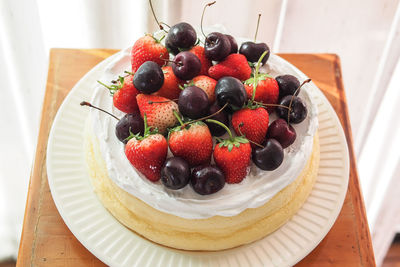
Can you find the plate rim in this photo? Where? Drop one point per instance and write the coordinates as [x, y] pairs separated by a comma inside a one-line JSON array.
[[106, 259]]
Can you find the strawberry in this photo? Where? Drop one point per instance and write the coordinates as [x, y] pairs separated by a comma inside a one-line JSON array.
[[147, 153], [234, 65], [232, 156], [252, 123], [159, 111], [147, 48], [207, 84], [267, 90], [205, 62], [124, 94], [262, 87], [193, 143], [170, 88]]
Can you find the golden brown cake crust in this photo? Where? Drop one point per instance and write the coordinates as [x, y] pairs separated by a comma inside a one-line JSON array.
[[215, 233]]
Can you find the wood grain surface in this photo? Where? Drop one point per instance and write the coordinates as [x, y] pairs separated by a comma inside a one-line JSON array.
[[46, 240]]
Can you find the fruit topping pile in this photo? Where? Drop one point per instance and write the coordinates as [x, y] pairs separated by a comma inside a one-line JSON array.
[[185, 95]]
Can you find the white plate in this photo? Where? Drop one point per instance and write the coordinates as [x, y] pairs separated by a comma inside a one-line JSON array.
[[115, 245]]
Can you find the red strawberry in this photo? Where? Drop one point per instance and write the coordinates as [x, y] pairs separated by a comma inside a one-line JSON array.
[[205, 62], [232, 156], [267, 90], [159, 111], [234, 65], [147, 153], [252, 123], [147, 48], [170, 88], [207, 84], [124, 94], [193, 143]]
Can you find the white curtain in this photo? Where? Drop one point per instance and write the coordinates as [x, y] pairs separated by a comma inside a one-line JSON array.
[[23, 66], [363, 33]]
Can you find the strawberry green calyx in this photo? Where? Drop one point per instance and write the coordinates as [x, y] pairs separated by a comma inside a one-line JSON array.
[[148, 130], [232, 141], [115, 86]]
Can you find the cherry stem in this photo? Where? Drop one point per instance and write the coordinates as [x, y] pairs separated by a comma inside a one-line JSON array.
[[206, 117], [256, 74], [171, 61], [291, 100], [128, 72], [270, 105], [258, 23], [222, 125], [155, 17], [202, 16], [159, 102], [165, 24], [178, 117], [84, 103], [240, 132]]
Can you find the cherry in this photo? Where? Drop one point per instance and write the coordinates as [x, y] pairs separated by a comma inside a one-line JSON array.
[[181, 35], [253, 51], [149, 78], [207, 179], [298, 109], [230, 90], [215, 129], [193, 102], [234, 45], [129, 123], [217, 46], [269, 157], [288, 85], [186, 65], [283, 132], [172, 49], [175, 174]]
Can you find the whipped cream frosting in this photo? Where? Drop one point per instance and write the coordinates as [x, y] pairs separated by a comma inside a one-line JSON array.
[[255, 190]]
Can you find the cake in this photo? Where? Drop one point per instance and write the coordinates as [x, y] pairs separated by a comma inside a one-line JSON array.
[[240, 211]]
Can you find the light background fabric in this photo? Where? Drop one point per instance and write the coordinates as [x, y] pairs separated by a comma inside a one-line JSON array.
[[365, 34]]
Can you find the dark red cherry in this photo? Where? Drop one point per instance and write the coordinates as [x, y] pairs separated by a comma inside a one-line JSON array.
[[207, 179], [230, 90], [149, 78], [193, 102], [284, 133], [172, 49], [175, 174], [234, 45], [253, 51], [269, 157], [130, 123], [182, 35], [217, 46], [186, 65], [288, 85], [298, 110]]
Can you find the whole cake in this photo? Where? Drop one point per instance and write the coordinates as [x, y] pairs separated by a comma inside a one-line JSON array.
[[208, 144]]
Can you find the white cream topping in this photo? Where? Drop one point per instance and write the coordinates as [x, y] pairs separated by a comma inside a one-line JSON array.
[[254, 191]]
